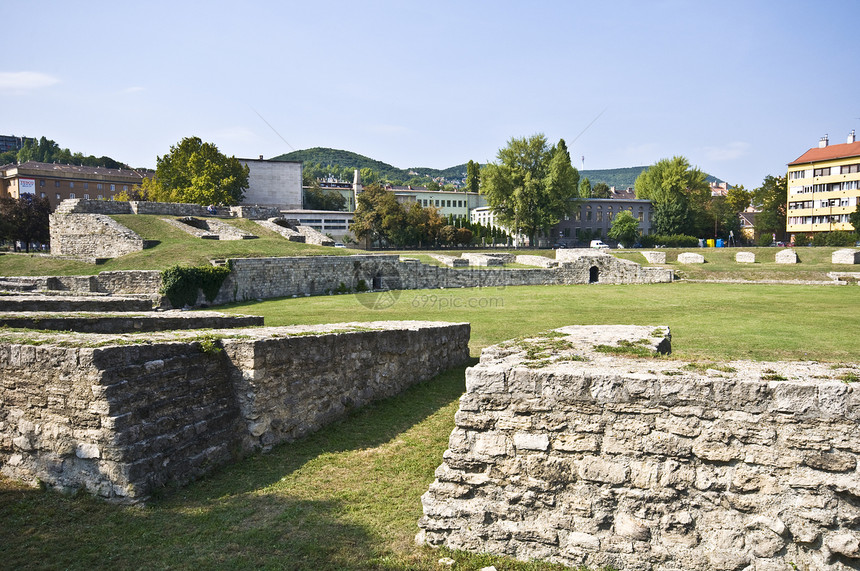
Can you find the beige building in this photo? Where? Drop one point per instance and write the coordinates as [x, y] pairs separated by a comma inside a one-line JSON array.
[[824, 187], [59, 182]]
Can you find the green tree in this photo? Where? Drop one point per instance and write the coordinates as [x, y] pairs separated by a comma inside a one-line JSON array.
[[854, 218], [771, 198], [679, 196], [368, 176], [473, 176], [376, 213], [529, 187], [25, 219], [601, 190], [738, 198], [585, 188], [625, 228], [198, 173]]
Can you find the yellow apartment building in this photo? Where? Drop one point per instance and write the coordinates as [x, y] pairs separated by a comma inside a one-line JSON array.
[[824, 187]]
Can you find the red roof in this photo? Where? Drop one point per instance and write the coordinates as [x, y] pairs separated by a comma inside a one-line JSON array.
[[828, 153]]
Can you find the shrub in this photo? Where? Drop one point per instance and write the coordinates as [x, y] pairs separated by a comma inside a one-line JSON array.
[[181, 284], [835, 238], [765, 240], [801, 240], [361, 286]]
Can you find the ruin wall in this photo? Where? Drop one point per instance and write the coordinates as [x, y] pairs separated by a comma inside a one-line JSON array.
[[145, 411], [91, 236], [571, 455]]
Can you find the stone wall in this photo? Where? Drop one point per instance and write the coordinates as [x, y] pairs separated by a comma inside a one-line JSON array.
[[116, 282], [261, 278], [569, 454], [121, 415], [91, 236]]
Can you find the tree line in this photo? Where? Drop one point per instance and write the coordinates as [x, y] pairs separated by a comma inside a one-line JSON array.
[[46, 150], [24, 221]]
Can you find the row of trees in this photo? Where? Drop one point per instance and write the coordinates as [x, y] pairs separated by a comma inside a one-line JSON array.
[[24, 220], [381, 220], [45, 150]]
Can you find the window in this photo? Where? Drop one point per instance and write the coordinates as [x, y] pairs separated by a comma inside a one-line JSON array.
[[821, 172], [72, 184], [42, 194], [599, 214], [58, 196], [125, 187], [796, 174], [41, 183], [57, 183], [86, 185], [99, 197], [86, 197], [848, 169], [98, 186], [71, 195], [113, 188]]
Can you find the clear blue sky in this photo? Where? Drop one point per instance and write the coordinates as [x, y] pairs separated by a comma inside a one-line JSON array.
[[738, 87]]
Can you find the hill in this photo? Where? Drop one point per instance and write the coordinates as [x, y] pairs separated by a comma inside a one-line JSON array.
[[347, 161]]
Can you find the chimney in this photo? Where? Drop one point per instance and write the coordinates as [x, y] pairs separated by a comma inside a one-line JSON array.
[[823, 141], [851, 137], [261, 157]]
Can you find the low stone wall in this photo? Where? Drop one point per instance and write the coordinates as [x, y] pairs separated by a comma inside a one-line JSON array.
[[579, 457], [476, 259], [846, 256], [451, 261], [786, 257], [255, 212], [261, 278], [121, 415], [91, 236], [288, 233], [540, 261], [745, 257], [127, 322], [655, 257], [115, 282], [211, 229], [65, 303]]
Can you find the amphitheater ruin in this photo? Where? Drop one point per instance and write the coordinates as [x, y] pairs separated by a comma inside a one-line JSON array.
[[580, 446]]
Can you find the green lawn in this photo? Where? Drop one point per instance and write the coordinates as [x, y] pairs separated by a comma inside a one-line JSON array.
[[348, 497]]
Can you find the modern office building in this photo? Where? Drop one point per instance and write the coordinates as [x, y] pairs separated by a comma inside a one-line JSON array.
[[273, 183], [824, 187]]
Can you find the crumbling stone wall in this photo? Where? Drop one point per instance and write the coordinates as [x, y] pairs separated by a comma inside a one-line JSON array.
[[261, 278], [121, 415], [91, 236], [572, 455]]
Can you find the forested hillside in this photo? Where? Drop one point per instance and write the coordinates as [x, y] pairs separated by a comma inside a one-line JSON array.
[[343, 163]]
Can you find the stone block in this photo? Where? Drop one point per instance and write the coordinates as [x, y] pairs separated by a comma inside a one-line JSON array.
[[745, 258], [655, 257], [786, 257], [845, 256], [690, 258]]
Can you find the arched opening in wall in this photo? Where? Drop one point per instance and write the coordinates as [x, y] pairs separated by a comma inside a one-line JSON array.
[[593, 275], [377, 281]]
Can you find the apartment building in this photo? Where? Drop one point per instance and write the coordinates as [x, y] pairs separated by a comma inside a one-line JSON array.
[[824, 187], [59, 182]]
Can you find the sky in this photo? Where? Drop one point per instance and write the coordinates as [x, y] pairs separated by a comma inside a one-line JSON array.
[[739, 88]]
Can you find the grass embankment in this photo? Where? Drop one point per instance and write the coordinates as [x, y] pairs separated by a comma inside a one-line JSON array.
[[348, 497], [172, 246]]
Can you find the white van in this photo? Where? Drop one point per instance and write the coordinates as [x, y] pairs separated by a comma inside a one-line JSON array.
[[599, 245]]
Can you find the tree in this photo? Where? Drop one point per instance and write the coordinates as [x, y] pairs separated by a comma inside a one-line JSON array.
[[771, 198], [625, 228], [585, 188], [679, 195], [25, 219], [473, 176], [198, 173], [854, 218], [530, 186], [378, 216], [601, 190]]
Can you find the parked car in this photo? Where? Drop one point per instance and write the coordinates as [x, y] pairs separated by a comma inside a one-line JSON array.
[[339, 245], [599, 245]]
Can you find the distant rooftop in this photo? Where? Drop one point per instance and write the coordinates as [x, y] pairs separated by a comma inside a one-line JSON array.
[[33, 167]]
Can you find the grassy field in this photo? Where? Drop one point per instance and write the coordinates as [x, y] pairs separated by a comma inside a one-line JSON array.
[[348, 497]]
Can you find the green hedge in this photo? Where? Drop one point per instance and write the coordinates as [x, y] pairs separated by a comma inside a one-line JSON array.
[[835, 238], [181, 284]]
